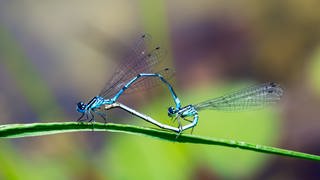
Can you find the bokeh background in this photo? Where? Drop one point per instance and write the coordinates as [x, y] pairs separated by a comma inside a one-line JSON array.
[[56, 53]]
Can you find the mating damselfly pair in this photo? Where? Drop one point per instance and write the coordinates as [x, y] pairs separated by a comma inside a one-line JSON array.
[[137, 72]]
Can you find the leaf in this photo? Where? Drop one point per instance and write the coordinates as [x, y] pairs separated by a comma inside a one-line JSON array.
[[40, 129]]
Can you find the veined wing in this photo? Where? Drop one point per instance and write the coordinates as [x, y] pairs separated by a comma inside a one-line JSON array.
[[136, 52], [249, 98], [138, 61]]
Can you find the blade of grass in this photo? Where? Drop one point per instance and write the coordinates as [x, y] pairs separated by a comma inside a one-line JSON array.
[[39, 129]]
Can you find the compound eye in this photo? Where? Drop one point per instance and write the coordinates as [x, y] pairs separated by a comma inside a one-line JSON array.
[[80, 105], [170, 110]]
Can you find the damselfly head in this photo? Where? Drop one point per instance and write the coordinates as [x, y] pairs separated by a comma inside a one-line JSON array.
[[81, 107], [171, 111]]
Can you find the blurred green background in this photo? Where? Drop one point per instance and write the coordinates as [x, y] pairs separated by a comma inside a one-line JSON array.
[[56, 53]]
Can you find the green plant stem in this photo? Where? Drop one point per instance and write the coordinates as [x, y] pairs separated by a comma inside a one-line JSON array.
[[39, 129]]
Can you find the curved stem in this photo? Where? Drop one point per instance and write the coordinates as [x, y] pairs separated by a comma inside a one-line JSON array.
[[39, 129]]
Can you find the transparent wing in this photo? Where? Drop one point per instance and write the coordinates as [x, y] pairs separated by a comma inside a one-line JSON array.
[[139, 60], [249, 98], [136, 53]]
